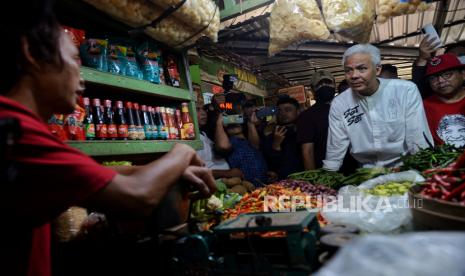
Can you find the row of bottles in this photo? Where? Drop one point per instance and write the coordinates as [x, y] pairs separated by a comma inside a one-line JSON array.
[[136, 122], [96, 120]]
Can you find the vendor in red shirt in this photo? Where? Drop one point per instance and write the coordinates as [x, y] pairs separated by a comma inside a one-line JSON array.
[[39, 76], [445, 109]]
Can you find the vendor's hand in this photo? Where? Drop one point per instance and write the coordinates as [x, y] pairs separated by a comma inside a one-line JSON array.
[[201, 178], [278, 137], [234, 173], [189, 154], [427, 47]]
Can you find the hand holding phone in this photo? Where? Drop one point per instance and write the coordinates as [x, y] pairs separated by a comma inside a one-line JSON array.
[[430, 31]]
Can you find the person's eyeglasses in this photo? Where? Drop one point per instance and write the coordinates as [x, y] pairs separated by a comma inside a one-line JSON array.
[[444, 75]]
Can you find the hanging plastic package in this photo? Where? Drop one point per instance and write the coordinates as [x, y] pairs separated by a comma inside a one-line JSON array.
[[391, 8], [132, 67], [352, 19], [116, 60], [94, 53], [150, 62], [293, 22]]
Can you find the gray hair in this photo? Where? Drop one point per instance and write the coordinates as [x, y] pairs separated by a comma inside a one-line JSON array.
[[366, 49]]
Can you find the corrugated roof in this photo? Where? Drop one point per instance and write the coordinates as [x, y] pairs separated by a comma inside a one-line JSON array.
[[398, 38]]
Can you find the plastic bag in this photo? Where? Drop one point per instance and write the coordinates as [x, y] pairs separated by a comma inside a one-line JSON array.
[[149, 57], [372, 213], [391, 8], [352, 19], [425, 254], [94, 53], [294, 21], [68, 224]]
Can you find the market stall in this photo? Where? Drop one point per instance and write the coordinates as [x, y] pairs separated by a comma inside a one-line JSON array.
[[134, 56]]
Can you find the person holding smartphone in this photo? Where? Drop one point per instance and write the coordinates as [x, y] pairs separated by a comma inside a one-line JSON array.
[[281, 147]]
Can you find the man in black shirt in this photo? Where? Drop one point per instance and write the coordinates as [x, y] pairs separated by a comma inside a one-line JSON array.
[[280, 147], [312, 125]]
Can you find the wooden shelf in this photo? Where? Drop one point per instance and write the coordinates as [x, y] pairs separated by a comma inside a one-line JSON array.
[[134, 85], [108, 148]]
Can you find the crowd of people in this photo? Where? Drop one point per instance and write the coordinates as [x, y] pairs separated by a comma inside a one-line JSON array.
[[371, 122], [371, 119]]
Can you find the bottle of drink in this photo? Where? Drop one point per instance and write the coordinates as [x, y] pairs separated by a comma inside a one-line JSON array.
[[157, 120], [139, 127], [151, 113], [173, 73], [121, 121], [174, 127], [100, 126], [146, 123], [89, 126], [164, 123], [182, 133], [112, 131], [132, 129], [187, 122]]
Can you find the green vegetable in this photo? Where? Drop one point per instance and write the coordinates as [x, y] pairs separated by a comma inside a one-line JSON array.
[[390, 189], [438, 157], [363, 174], [117, 163], [320, 176]]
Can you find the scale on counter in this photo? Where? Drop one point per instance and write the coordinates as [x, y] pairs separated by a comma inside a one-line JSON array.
[[291, 252]]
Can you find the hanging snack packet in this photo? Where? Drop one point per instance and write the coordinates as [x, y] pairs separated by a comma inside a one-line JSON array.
[[116, 59], [352, 19], [293, 22], [132, 67], [150, 62], [94, 53]]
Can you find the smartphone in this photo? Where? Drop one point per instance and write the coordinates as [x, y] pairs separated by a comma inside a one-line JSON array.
[[431, 31], [266, 111], [233, 119]]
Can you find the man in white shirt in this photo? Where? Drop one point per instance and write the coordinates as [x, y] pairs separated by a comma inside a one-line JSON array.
[[380, 119]]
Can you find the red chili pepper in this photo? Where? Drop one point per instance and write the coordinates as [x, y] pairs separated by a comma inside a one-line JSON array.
[[460, 161], [456, 191], [439, 179], [462, 196], [439, 170]]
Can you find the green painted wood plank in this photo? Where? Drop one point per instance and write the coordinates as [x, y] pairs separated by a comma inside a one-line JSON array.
[[139, 86], [108, 148]]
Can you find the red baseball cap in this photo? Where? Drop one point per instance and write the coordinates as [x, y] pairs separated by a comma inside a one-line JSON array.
[[443, 63]]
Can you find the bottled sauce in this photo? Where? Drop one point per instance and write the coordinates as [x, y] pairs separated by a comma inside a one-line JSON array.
[[164, 124], [100, 126], [173, 128], [120, 119], [139, 127], [151, 114], [89, 127], [146, 123], [182, 133], [158, 121], [112, 131], [187, 122], [173, 73], [132, 129]]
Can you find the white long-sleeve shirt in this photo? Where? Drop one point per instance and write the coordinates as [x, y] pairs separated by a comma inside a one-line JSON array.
[[379, 128]]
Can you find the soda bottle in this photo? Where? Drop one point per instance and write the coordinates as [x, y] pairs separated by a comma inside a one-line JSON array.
[[132, 129], [139, 127], [146, 123], [112, 131], [100, 126], [163, 124], [151, 114], [89, 126], [121, 121]]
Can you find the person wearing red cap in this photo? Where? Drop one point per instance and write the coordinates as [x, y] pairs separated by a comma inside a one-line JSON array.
[[445, 109]]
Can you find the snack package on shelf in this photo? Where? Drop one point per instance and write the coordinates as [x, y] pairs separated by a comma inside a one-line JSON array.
[[352, 19], [295, 21], [178, 30], [116, 60], [94, 53], [150, 60], [391, 8]]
